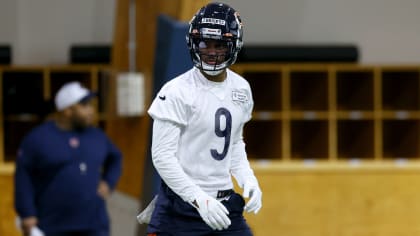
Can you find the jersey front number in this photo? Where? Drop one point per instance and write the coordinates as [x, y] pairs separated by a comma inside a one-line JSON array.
[[222, 133]]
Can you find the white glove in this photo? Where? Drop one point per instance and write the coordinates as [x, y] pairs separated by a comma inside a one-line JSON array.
[[251, 189], [146, 215], [35, 231], [213, 212]]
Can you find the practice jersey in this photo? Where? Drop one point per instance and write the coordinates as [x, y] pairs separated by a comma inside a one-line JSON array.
[[211, 116]]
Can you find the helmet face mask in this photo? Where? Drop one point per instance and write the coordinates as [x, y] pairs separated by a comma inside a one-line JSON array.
[[213, 54], [215, 38]]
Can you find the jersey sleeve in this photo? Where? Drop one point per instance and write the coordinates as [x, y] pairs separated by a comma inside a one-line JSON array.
[[113, 164], [240, 167], [165, 141], [171, 104], [24, 194], [242, 92], [249, 108]]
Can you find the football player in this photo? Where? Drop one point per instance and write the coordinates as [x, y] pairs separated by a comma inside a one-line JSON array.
[[197, 143]]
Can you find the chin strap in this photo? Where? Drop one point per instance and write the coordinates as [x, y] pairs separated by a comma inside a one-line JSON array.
[[213, 72]]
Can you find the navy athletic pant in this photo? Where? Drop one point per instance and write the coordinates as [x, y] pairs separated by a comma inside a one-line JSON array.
[[80, 233], [175, 217]]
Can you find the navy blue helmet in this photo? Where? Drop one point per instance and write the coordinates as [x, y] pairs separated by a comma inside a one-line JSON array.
[[215, 22]]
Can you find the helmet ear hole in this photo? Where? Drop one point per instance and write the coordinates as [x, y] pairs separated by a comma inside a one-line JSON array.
[[215, 21]]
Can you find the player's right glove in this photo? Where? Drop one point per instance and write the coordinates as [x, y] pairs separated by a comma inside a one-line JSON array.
[[146, 215], [213, 212]]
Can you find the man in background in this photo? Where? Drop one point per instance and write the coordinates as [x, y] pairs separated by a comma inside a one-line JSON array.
[[65, 170]]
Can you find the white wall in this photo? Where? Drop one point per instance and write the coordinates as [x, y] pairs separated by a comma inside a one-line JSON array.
[[44, 29], [386, 31], [8, 22]]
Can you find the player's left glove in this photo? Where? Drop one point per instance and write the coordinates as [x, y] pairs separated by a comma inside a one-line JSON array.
[[252, 191]]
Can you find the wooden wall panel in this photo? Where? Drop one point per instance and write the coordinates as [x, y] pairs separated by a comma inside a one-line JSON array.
[[119, 57], [380, 200], [7, 213]]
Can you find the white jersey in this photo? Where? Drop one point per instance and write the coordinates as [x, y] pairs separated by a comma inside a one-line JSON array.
[[210, 116]]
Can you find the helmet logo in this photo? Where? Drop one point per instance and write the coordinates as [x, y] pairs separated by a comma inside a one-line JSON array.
[[237, 16], [213, 21]]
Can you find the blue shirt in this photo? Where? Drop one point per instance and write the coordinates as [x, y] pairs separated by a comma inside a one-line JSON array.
[[57, 176]]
